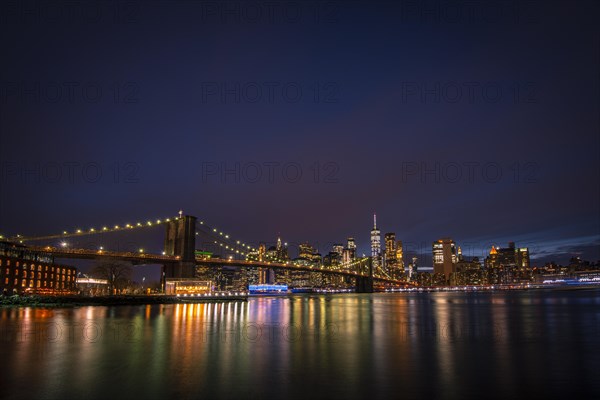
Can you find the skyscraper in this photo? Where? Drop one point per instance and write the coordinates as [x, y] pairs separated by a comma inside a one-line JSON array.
[[390, 252], [262, 272], [390, 246], [413, 269], [281, 250], [375, 244], [400, 256], [506, 265], [444, 256], [351, 244], [510, 256], [350, 250], [338, 248], [305, 250]]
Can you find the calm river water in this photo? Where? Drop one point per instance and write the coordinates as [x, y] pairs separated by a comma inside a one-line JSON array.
[[540, 344]]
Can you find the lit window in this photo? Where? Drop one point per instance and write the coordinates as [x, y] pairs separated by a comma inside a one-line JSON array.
[[16, 282], [38, 283], [6, 281], [44, 283], [8, 263], [23, 283]]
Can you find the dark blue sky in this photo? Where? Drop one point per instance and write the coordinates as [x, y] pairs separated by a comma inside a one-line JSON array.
[[473, 120]]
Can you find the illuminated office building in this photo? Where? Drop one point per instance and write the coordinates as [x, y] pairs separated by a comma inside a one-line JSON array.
[[507, 265], [338, 248], [399, 256], [510, 256], [390, 250], [444, 256], [349, 253], [413, 269], [351, 244], [393, 256]]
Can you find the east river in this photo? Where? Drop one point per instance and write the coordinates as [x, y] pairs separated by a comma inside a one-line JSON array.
[[525, 344]]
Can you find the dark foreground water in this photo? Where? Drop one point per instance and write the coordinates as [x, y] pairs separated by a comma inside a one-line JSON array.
[[429, 345]]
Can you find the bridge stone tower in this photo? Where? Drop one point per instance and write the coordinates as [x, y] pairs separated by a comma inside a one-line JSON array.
[[364, 284], [180, 240]]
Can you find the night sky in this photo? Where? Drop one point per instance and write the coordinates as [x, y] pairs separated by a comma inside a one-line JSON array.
[[472, 120]]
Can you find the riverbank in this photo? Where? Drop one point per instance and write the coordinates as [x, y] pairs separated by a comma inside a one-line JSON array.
[[78, 301]]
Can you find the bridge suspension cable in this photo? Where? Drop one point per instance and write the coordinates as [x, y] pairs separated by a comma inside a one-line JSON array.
[[93, 231], [224, 239]]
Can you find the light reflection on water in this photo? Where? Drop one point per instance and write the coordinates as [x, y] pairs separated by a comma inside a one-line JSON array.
[[434, 345]]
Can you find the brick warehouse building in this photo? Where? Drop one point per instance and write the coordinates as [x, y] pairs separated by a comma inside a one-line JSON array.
[[23, 271]]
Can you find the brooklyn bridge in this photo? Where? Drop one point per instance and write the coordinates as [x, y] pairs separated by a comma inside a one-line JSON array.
[[180, 257]]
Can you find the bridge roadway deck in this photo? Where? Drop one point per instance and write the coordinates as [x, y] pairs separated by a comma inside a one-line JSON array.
[[148, 258]]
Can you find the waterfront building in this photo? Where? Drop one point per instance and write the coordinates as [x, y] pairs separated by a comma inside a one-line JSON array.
[[25, 271]]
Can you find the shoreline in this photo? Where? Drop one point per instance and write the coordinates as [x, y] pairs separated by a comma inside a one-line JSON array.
[[133, 300], [82, 301]]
